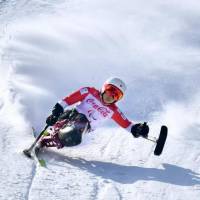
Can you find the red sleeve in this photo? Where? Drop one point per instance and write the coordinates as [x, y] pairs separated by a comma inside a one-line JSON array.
[[121, 119], [77, 96]]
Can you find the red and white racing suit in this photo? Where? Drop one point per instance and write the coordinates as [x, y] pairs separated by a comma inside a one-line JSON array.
[[90, 104]]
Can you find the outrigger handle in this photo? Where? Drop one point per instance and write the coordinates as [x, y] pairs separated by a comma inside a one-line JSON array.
[[36, 140]]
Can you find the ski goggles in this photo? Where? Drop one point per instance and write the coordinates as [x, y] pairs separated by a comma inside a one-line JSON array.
[[113, 92]]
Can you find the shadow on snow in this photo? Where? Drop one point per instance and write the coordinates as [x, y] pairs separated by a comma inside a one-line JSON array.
[[129, 174]]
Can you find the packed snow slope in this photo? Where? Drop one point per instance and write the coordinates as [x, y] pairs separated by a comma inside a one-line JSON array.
[[51, 48]]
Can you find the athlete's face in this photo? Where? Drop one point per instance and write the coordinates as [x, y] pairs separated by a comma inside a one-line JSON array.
[[111, 94], [107, 98]]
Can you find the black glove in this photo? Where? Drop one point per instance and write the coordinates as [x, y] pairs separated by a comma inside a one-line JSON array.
[[56, 112], [51, 120], [140, 129]]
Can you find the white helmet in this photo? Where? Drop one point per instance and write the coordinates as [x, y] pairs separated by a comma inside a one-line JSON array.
[[116, 82]]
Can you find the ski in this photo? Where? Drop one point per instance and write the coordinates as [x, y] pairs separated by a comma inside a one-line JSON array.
[[34, 156], [34, 132], [42, 162]]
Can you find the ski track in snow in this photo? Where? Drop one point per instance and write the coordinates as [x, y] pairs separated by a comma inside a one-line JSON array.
[[27, 195], [158, 56]]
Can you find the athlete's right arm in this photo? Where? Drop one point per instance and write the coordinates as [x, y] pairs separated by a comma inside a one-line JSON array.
[[71, 99], [74, 97]]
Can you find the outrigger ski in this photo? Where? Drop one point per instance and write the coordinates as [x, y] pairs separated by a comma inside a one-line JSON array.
[[32, 153], [160, 141]]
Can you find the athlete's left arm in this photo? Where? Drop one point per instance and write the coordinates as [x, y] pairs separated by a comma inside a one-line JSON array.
[[122, 120], [137, 130]]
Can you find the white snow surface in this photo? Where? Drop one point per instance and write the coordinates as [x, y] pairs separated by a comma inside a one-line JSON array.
[[51, 48]]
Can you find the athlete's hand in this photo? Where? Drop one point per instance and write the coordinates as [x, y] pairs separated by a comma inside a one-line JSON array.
[[140, 129], [56, 112], [51, 120]]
